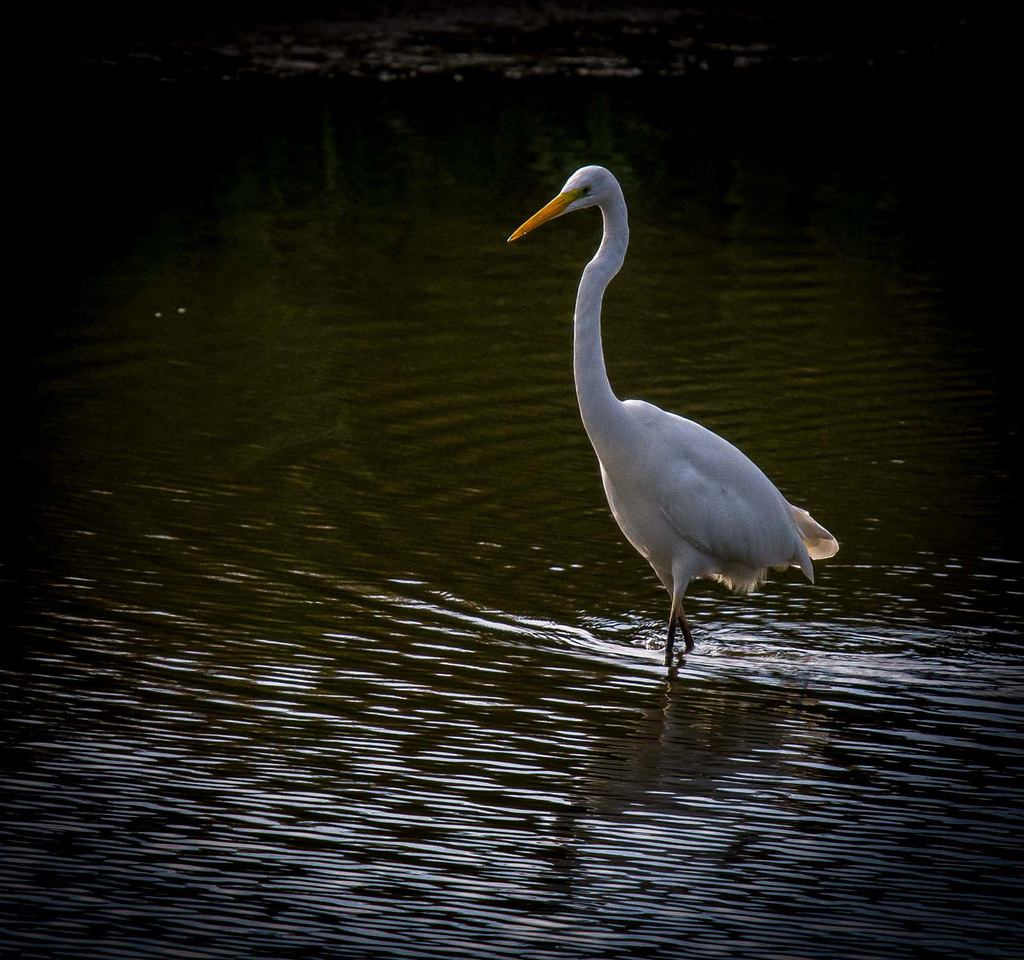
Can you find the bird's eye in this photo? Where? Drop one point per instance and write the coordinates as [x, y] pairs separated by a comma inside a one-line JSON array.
[[585, 191]]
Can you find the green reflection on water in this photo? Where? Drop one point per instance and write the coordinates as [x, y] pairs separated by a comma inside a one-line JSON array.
[[290, 326]]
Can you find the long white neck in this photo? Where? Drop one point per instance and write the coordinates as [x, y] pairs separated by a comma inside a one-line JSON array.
[[599, 407]]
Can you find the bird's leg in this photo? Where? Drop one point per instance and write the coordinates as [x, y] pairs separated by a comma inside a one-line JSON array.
[[671, 635], [686, 630], [677, 616]]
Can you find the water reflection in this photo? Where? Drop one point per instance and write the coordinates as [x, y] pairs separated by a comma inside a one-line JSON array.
[[321, 640]]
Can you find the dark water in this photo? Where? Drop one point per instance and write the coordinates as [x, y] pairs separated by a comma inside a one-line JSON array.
[[319, 638]]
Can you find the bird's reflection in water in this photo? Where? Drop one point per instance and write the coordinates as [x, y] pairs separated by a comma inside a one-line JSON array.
[[690, 766]]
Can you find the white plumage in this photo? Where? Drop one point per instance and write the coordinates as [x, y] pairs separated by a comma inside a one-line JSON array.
[[690, 502]]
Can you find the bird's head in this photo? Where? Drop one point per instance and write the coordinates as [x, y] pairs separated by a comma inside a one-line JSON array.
[[587, 187]]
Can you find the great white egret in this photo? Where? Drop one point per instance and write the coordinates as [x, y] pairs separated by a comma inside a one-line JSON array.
[[689, 501]]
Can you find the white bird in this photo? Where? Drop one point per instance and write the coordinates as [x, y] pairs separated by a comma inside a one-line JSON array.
[[690, 502]]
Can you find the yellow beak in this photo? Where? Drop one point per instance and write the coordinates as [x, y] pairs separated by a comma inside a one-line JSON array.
[[554, 209]]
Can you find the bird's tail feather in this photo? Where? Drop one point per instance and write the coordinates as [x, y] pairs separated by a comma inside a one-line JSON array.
[[819, 542]]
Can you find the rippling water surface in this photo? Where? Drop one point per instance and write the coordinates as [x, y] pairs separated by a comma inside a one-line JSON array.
[[319, 638]]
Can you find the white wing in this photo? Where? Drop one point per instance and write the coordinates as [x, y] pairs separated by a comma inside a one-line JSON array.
[[713, 498]]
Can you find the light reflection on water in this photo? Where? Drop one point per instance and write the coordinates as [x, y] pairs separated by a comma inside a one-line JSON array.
[[305, 798], [324, 644]]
